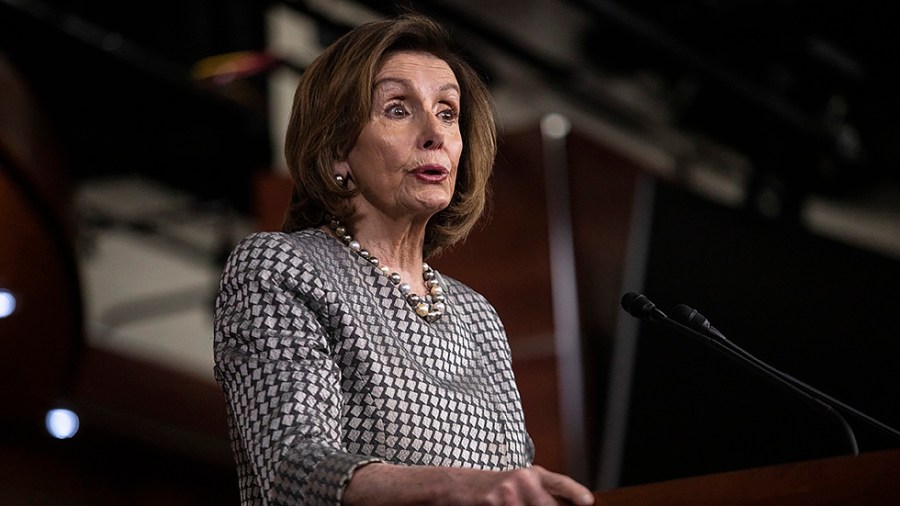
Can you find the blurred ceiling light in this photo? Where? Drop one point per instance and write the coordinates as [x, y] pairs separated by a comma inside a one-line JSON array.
[[62, 423], [7, 303]]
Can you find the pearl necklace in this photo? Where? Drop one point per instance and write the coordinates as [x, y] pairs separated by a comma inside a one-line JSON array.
[[430, 307]]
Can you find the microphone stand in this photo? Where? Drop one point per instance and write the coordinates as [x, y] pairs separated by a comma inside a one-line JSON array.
[[691, 318], [641, 307]]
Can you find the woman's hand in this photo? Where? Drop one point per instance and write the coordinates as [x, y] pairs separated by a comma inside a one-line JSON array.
[[397, 485], [528, 486]]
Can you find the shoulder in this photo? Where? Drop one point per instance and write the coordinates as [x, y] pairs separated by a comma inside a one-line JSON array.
[[467, 297], [278, 252], [456, 286], [272, 242]]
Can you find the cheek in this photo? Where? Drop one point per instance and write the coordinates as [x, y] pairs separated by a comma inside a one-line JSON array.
[[392, 157], [456, 150]]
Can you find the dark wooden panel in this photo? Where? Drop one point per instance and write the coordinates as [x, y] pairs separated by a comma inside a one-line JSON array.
[[870, 479]]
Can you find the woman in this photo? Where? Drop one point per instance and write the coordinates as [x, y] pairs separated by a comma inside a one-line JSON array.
[[353, 372]]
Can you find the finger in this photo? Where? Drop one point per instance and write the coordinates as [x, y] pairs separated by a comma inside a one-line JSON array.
[[530, 488], [524, 487], [565, 487]]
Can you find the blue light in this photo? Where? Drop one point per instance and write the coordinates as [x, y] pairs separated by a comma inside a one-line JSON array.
[[7, 303], [62, 423]]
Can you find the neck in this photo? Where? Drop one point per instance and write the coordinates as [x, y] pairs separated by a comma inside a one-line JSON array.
[[403, 249], [397, 242], [400, 247]]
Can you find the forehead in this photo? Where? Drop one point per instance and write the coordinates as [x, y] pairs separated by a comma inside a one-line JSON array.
[[413, 66]]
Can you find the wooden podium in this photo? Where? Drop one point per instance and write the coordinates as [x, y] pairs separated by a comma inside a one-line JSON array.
[[868, 479]]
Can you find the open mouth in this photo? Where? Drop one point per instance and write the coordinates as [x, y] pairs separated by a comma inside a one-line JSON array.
[[431, 172]]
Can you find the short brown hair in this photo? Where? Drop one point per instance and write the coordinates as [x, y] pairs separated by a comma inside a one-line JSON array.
[[333, 103]]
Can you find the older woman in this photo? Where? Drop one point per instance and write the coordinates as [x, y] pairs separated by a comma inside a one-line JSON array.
[[354, 373]]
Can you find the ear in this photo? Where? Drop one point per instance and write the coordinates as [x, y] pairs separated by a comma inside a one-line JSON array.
[[342, 172], [342, 168]]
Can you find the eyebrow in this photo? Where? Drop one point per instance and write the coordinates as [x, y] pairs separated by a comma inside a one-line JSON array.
[[408, 84]]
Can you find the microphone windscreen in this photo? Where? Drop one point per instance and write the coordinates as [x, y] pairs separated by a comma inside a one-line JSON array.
[[691, 318], [637, 305]]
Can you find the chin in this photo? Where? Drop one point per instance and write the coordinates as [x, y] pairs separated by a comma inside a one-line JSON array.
[[434, 203], [430, 211]]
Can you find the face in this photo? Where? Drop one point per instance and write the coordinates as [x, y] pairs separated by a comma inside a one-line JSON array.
[[405, 161]]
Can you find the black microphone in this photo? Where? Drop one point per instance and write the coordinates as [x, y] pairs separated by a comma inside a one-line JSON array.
[[691, 318], [641, 307]]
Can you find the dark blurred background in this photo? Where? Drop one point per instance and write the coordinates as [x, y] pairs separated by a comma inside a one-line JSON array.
[[740, 157]]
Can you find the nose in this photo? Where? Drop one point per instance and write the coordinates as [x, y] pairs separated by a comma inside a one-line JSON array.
[[432, 134]]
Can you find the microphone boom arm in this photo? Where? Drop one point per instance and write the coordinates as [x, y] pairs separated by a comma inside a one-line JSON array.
[[641, 307], [699, 324]]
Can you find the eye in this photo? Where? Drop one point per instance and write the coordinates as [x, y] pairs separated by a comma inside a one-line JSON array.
[[396, 111], [449, 115]]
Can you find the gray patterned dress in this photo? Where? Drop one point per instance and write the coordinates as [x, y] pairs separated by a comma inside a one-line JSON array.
[[326, 367]]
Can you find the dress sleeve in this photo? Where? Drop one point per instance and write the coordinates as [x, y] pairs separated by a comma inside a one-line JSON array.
[[281, 385]]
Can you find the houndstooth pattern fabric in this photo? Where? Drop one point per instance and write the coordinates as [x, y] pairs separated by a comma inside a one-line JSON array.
[[325, 367]]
